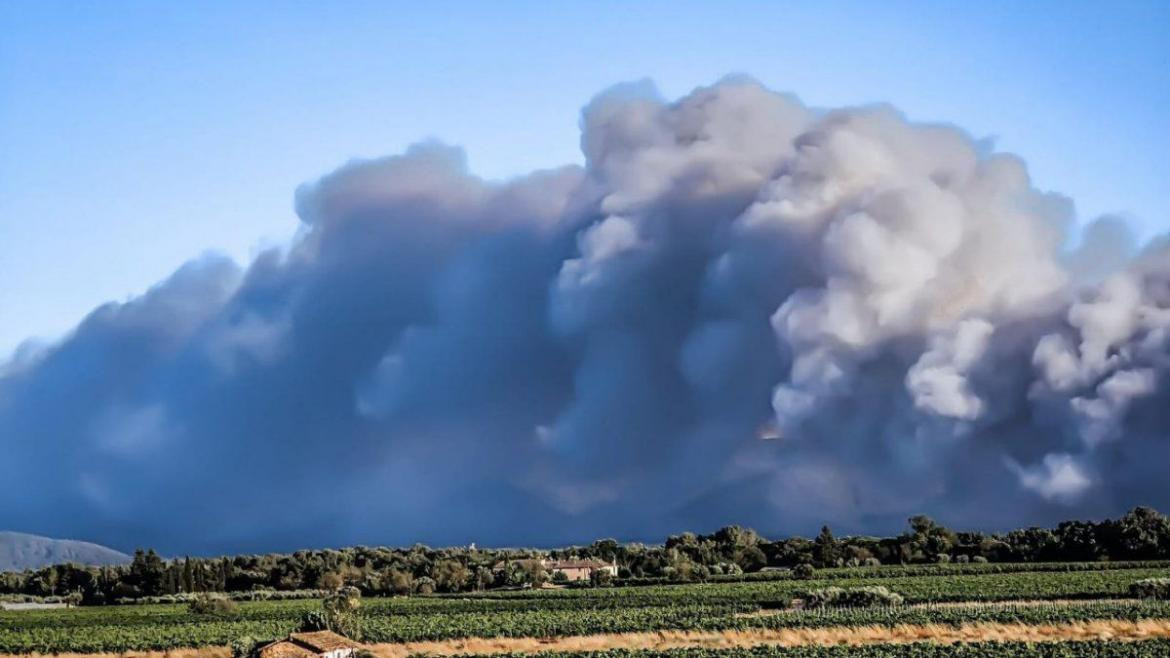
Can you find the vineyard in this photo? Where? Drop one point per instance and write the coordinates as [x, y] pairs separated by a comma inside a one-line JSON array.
[[1145, 649], [1077, 595]]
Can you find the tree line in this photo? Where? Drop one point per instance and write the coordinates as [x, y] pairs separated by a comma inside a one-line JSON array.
[[1141, 534]]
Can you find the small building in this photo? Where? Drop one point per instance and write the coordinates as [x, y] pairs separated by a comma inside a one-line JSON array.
[[317, 644], [577, 569]]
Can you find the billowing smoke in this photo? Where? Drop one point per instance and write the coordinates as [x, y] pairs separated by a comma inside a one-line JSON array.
[[739, 310]]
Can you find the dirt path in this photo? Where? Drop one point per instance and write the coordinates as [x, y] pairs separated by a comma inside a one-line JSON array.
[[1103, 629]]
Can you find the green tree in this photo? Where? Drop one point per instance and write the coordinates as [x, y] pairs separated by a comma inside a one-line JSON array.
[[331, 580], [605, 549], [188, 576], [526, 573], [174, 578], [826, 548], [398, 582], [450, 575], [750, 558], [926, 540], [484, 578], [148, 572], [1143, 534], [600, 578], [343, 612]]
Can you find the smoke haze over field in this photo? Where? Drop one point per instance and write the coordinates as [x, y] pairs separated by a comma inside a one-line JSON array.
[[740, 310]]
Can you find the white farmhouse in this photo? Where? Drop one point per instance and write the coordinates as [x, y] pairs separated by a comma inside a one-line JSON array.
[[577, 569]]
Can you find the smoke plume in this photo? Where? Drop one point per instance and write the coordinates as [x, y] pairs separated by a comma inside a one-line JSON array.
[[739, 310]]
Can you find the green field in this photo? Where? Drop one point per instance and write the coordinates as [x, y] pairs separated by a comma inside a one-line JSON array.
[[546, 613], [1146, 649]]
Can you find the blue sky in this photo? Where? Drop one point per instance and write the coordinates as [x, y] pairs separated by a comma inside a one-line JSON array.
[[136, 135]]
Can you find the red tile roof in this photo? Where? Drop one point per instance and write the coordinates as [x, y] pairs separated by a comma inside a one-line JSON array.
[[285, 649], [307, 645], [321, 641], [575, 564]]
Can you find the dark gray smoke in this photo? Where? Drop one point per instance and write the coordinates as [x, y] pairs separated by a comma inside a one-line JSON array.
[[740, 310]]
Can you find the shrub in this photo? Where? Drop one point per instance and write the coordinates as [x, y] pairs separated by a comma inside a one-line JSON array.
[[313, 620], [979, 559], [343, 612], [803, 571], [853, 597], [559, 577], [600, 578], [340, 612], [211, 604], [245, 647], [424, 585], [398, 582], [871, 562], [962, 559], [1157, 589]]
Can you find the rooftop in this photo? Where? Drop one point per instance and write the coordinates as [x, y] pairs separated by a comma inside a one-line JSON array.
[[307, 645], [575, 564], [324, 640]]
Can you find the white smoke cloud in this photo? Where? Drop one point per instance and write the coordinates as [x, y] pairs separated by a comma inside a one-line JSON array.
[[1057, 477], [938, 380], [595, 350]]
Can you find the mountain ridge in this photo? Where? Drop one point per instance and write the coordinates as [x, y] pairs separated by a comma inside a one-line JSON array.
[[20, 551]]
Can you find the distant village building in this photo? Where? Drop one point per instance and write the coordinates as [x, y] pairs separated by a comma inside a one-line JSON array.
[[318, 644], [577, 569]]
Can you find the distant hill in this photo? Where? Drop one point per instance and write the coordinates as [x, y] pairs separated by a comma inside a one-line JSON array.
[[19, 551]]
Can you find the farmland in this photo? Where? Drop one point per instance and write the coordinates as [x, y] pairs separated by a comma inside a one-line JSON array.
[[1077, 595], [1095, 649], [928, 592]]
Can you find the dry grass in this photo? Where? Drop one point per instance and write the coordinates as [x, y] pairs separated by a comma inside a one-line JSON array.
[[1117, 630], [1102, 629]]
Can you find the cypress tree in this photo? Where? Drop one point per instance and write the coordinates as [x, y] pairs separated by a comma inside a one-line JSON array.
[[188, 576]]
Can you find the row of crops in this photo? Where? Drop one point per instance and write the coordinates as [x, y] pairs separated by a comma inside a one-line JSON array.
[[737, 597], [529, 624], [581, 612], [1095, 649], [702, 618], [941, 569], [381, 628], [950, 587]]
